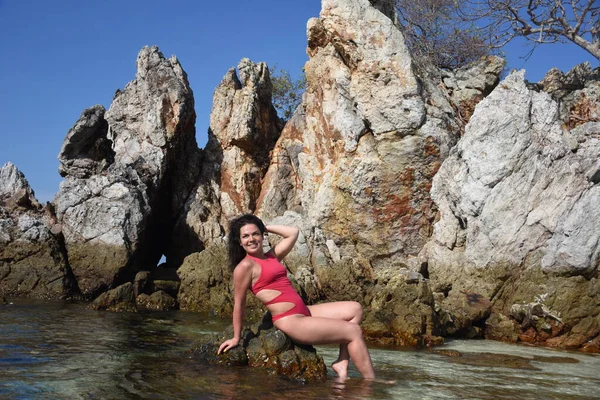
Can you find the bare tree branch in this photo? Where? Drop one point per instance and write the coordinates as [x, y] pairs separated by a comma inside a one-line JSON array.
[[540, 21]]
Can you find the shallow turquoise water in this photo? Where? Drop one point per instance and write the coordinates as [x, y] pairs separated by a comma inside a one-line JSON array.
[[61, 350]]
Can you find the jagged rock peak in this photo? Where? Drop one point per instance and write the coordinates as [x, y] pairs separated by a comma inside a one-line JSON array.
[[558, 84], [254, 74], [14, 188], [150, 60], [242, 111], [373, 71]]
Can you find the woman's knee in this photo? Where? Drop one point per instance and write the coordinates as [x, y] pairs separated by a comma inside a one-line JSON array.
[[355, 332], [357, 311]]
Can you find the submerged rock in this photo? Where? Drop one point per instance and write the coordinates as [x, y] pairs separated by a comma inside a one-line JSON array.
[[265, 347]]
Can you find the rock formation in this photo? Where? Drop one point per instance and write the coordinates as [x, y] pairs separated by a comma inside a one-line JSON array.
[[32, 257], [243, 129], [519, 209], [118, 203], [357, 159], [445, 202], [468, 85]]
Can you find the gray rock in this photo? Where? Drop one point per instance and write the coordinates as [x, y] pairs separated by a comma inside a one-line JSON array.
[[468, 85], [243, 129], [117, 205], [86, 149], [14, 188], [156, 301], [141, 282], [33, 262]]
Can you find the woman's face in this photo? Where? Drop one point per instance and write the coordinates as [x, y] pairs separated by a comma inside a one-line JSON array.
[[251, 239]]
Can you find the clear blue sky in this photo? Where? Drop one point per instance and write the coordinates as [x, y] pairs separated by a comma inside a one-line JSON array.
[[60, 57]]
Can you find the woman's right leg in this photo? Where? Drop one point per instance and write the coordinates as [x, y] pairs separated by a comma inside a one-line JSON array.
[[317, 330]]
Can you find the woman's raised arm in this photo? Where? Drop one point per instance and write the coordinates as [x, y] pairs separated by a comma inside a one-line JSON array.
[[289, 235]]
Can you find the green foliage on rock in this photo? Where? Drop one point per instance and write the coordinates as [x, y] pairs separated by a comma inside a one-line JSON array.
[[287, 92]]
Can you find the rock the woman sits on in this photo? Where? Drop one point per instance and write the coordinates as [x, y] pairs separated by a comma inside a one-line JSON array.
[[263, 274]]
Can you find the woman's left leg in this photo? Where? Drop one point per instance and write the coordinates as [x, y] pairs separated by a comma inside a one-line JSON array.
[[350, 311]]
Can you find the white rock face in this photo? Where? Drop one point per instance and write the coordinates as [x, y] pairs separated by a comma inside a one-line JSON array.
[[513, 185], [14, 188], [519, 209]]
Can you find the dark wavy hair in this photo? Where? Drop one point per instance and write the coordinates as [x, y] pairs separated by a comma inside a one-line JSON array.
[[236, 251]]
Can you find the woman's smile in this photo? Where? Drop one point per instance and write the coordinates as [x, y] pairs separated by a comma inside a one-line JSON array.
[[251, 238]]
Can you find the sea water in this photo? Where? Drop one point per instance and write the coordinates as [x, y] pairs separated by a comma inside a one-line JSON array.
[[62, 350]]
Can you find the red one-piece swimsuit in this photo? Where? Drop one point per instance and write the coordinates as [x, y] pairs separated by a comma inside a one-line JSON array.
[[273, 276]]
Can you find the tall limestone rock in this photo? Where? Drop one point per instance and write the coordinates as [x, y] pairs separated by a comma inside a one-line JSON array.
[[519, 205], [354, 165], [243, 130], [128, 171], [32, 258]]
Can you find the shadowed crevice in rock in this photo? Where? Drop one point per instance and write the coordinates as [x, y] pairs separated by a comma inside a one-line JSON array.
[[86, 149]]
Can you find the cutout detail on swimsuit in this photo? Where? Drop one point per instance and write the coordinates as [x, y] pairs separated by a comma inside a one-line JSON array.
[[268, 295]]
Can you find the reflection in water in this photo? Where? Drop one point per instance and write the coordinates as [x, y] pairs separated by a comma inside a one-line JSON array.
[[58, 350]]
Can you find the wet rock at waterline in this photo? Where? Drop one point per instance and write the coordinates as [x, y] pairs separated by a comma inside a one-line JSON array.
[[126, 298], [156, 301], [33, 262], [265, 347], [120, 298]]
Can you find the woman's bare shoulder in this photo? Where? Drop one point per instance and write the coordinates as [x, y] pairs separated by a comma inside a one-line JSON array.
[[244, 266]]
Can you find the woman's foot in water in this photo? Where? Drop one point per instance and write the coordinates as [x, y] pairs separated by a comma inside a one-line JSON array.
[[341, 368]]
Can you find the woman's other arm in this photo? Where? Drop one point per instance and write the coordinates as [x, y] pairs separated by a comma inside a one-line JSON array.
[[289, 236], [242, 277]]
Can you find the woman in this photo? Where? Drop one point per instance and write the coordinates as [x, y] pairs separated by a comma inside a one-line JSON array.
[[263, 274]]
